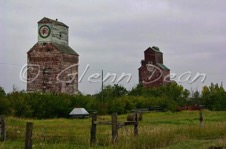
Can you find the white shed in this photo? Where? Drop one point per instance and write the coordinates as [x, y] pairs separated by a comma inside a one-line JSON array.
[[79, 113]]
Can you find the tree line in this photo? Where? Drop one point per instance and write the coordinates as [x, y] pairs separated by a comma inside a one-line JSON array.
[[114, 98]]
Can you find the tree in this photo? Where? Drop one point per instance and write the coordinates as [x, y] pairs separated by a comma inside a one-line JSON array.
[[137, 91], [2, 91], [4, 104], [119, 90], [214, 97], [195, 98], [186, 93]]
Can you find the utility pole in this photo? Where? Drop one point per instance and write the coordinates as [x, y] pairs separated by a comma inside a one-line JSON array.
[[102, 87]]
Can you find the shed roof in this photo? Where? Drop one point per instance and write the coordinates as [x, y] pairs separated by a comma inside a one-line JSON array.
[[78, 111]]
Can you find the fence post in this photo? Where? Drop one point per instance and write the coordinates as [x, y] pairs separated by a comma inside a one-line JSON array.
[[136, 125], [114, 127], [2, 128], [201, 119], [28, 137], [93, 129]]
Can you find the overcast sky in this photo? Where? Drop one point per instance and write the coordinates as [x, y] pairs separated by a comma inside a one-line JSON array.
[[113, 34]]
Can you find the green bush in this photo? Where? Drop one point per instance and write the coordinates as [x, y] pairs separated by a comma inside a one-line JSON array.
[[112, 99]]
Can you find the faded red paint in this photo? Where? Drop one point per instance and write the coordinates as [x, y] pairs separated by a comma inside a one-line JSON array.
[[152, 56], [52, 62]]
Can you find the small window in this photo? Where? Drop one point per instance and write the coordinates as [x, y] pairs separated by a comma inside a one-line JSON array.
[[150, 62]]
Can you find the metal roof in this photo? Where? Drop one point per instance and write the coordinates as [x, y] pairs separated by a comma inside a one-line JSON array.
[[62, 48], [79, 111], [163, 66], [47, 20], [65, 49], [155, 49]]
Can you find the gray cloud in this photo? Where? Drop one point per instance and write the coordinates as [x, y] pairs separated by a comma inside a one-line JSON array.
[[112, 35]]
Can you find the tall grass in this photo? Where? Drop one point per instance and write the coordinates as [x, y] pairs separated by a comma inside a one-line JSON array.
[[157, 130]]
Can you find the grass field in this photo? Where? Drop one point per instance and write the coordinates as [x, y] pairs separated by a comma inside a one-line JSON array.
[[157, 130]]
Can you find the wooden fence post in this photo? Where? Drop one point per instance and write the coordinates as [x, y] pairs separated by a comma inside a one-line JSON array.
[[136, 125], [201, 119], [93, 128], [2, 128], [28, 137], [114, 127]]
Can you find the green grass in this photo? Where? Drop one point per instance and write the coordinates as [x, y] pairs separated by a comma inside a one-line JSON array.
[[157, 130]]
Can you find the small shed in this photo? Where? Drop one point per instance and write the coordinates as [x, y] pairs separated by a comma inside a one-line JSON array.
[[79, 113]]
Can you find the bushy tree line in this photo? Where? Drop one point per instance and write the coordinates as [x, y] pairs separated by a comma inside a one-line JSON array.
[[214, 97], [112, 99], [42, 105]]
